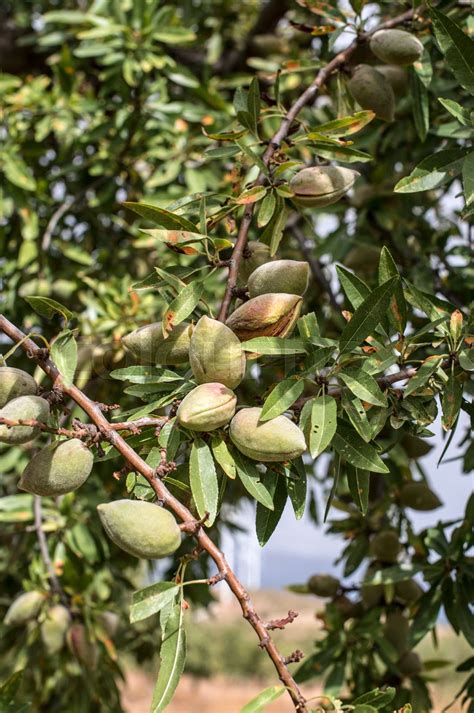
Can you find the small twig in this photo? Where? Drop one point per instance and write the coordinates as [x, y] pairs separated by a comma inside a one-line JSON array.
[[281, 623], [295, 657], [11, 423], [43, 545]]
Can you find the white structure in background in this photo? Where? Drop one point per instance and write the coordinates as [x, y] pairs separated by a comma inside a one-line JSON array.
[[242, 551]]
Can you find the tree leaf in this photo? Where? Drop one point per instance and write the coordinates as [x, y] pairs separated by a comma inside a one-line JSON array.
[[203, 480], [346, 126], [356, 290], [433, 171], [462, 114], [451, 401], [47, 307], [281, 398], [367, 316], [425, 371], [322, 424], [251, 479], [297, 488], [150, 600], [398, 306], [267, 520], [456, 46], [64, 355], [468, 178], [355, 412], [223, 456], [263, 699], [359, 481], [420, 104], [350, 446], [266, 209], [161, 217], [252, 195], [363, 385], [182, 306], [378, 698], [173, 656], [274, 346]]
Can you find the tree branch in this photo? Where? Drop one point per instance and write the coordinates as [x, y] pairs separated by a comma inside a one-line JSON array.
[[280, 135], [43, 545], [165, 497]]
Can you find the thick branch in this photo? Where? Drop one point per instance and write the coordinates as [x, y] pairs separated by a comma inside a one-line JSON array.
[[164, 496], [275, 143]]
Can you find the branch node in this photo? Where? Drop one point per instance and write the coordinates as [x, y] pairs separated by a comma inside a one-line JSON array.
[[281, 623]]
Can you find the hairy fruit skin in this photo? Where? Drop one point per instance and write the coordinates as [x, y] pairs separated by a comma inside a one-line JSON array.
[[149, 346], [278, 439], [140, 528], [385, 546], [207, 407], [372, 91], [410, 664], [215, 354], [419, 496], [23, 407], [269, 315], [54, 628], [24, 608], [321, 185], [408, 591], [14, 383], [396, 76], [81, 646], [323, 585], [396, 631], [396, 47], [57, 469], [288, 276], [255, 254]]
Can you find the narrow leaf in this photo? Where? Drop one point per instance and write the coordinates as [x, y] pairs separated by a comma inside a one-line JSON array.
[[203, 480], [363, 385], [151, 600], [256, 705], [457, 47], [281, 398], [161, 217], [64, 355], [433, 171], [267, 520], [173, 656], [358, 481], [251, 479], [323, 423], [367, 316], [182, 306], [223, 456], [426, 370], [350, 446]]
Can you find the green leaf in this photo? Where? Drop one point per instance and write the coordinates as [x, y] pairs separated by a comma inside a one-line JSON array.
[[145, 375], [420, 104], [281, 398], [322, 424], [18, 173], [297, 488], [356, 290], [252, 195], [251, 479], [263, 699], [392, 575], [274, 346], [203, 480], [350, 446], [451, 401], [346, 126], [182, 306], [430, 365], [173, 656], [457, 47], [463, 115], [67, 17], [151, 600], [267, 520], [161, 217], [357, 415], [468, 178], [367, 316], [398, 306], [266, 210], [47, 307], [433, 171], [466, 359], [64, 355], [359, 481], [277, 224], [378, 698], [427, 613], [223, 456], [344, 154], [363, 385]]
